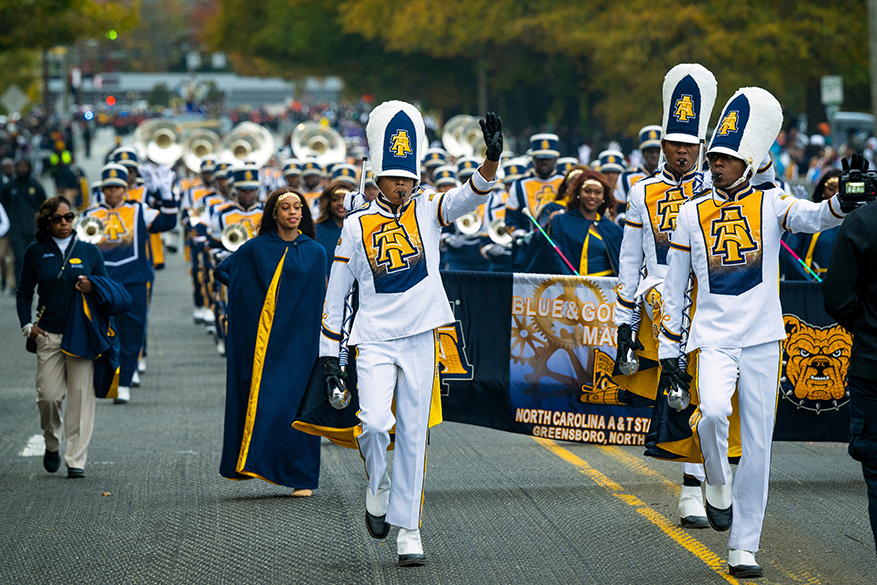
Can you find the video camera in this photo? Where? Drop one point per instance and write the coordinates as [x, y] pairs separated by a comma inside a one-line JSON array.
[[857, 185]]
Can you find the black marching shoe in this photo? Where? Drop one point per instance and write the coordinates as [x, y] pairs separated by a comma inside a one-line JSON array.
[[412, 560], [377, 526], [741, 564], [52, 461], [75, 473], [719, 518]]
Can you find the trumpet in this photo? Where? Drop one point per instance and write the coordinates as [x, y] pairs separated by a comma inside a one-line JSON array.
[[90, 230], [499, 233], [469, 224], [234, 236]]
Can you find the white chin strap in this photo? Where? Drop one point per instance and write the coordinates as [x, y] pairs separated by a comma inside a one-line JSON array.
[[742, 178]]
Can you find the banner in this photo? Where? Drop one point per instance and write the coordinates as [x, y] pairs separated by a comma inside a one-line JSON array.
[[533, 354]]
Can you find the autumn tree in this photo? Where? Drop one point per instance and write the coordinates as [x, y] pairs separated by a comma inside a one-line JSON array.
[[590, 66]]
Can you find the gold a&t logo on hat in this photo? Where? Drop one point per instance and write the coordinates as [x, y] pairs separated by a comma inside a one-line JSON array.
[[684, 109], [729, 124], [400, 145]]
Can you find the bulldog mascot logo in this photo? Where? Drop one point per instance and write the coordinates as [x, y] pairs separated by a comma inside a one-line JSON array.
[[815, 365]]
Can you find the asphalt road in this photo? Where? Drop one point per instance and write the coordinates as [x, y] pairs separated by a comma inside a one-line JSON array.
[[499, 508]]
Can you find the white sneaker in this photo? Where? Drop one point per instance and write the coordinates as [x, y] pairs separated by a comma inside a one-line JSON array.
[[124, 395], [196, 316], [135, 380], [220, 346], [141, 366], [208, 316]]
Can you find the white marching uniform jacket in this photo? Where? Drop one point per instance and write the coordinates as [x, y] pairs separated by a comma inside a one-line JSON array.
[[732, 245], [652, 206], [395, 259]]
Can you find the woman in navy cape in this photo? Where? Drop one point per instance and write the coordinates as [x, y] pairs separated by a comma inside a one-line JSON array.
[[585, 233], [276, 285]]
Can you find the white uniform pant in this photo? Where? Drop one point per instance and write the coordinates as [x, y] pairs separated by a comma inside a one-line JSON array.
[[754, 372], [404, 368], [58, 376], [651, 303]]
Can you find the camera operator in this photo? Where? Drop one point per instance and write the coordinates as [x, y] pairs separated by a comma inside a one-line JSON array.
[[850, 292]]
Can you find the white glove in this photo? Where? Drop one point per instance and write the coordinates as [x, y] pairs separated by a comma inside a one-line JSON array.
[[353, 200], [150, 180], [164, 180]]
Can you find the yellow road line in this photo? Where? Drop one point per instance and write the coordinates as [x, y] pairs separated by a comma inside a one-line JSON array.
[[637, 465], [689, 543]]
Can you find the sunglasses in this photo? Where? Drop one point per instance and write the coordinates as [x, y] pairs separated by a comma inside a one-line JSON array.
[[68, 217]]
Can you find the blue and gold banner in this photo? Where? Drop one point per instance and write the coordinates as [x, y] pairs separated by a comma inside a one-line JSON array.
[[534, 354]]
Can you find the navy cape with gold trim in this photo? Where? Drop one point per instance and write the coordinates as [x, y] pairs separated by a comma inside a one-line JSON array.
[[90, 331], [275, 296]]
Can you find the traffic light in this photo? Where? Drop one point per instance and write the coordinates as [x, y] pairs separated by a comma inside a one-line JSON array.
[[111, 101]]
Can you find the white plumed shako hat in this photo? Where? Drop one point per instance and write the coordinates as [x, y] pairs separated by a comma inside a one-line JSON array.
[[750, 122], [689, 97], [396, 137]]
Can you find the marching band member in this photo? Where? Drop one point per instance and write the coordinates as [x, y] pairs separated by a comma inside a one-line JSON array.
[[244, 210], [729, 236], [462, 251], [585, 234], [331, 218], [499, 256], [650, 150], [689, 93], [433, 158], [533, 192], [124, 246], [192, 208], [292, 173], [312, 175], [201, 240], [279, 277], [564, 164], [389, 247], [346, 173], [612, 165]]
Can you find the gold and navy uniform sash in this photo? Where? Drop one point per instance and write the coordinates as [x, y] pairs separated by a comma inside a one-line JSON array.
[[394, 249], [120, 225], [539, 193], [248, 219], [732, 232], [663, 200], [136, 194]]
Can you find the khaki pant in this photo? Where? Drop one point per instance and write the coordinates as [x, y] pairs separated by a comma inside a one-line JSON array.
[[7, 263], [60, 375]]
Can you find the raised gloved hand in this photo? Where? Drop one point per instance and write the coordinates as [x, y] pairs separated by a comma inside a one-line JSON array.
[[672, 375], [492, 130], [626, 342], [147, 173], [332, 372], [164, 183]]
